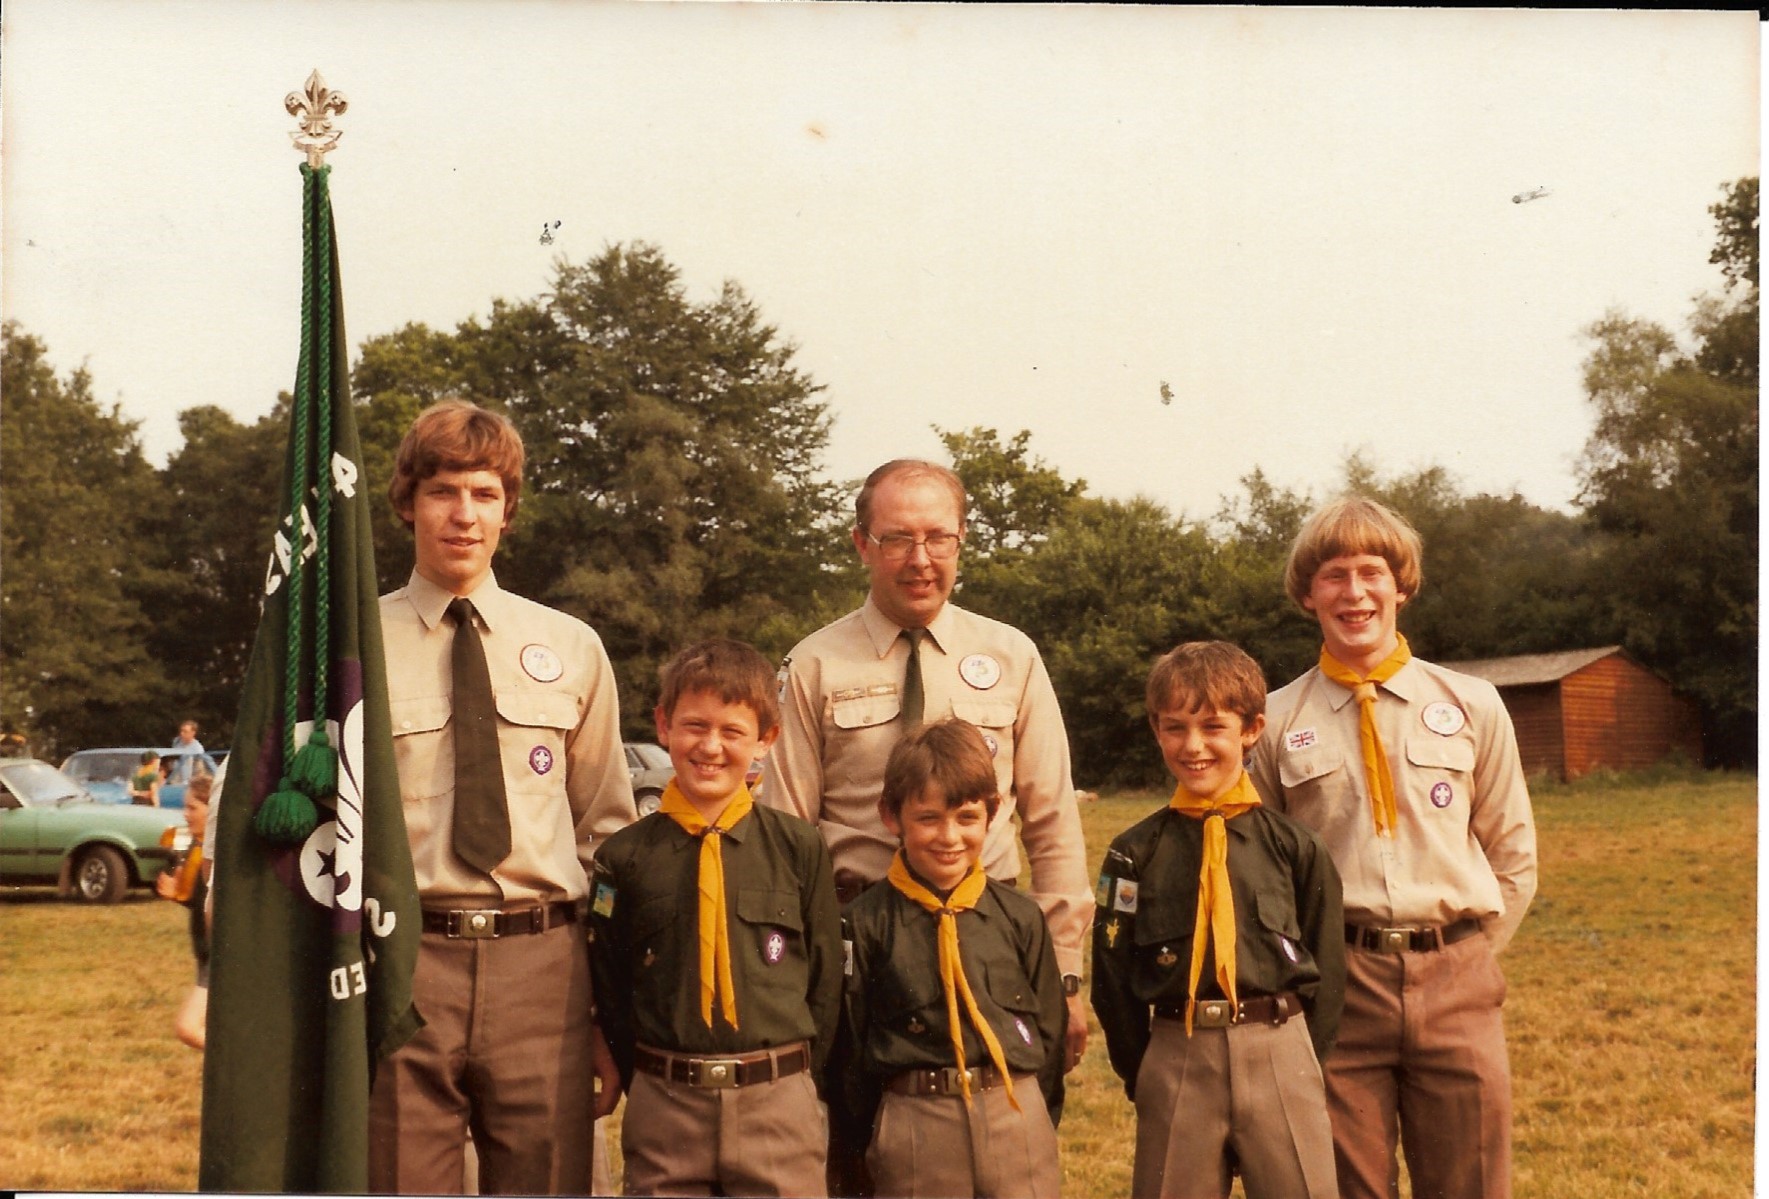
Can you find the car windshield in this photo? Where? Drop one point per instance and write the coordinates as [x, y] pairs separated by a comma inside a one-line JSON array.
[[38, 784], [103, 766]]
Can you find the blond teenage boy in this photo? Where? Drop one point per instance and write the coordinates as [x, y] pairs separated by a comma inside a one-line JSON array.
[[1218, 958], [955, 1020], [716, 953], [1410, 774]]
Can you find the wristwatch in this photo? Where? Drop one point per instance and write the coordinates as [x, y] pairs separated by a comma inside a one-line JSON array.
[[1071, 985]]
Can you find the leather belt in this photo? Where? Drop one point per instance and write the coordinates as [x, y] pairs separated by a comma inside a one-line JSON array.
[[1220, 1013], [715, 1073], [1409, 940], [474, 923], [942, 1081]]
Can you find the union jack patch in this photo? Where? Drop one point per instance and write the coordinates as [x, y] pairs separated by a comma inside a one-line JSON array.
[[1300, 739]]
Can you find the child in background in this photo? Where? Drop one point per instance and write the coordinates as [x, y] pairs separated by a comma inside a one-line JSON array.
[[954, 1007], [1219, 924], [188, 884], [715, 953], [144, 784]]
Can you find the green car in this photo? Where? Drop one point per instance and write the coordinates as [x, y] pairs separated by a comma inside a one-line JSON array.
[[51, 831]]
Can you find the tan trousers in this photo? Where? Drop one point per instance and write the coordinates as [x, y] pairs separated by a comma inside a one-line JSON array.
[[505, 1050], [1422, 1043], [930, 1145], [766, 1139], [1251, 1095]]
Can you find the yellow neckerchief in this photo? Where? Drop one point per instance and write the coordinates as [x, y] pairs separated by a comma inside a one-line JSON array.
[[184, 883], [1216, 903], [963, 898], [1363, 688], [715, 936]]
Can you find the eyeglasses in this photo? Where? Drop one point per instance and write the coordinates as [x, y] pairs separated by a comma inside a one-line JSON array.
[[896, 547]]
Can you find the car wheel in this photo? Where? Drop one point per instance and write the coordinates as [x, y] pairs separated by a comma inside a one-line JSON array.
[[648, 801], [101, 875]]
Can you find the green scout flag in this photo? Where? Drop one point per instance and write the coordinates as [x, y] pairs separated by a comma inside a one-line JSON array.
[[316, 912]]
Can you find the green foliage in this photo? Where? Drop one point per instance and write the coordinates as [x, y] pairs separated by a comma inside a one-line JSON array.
[[73, 637], [1669, 480], [1014, 497], [671, 487]]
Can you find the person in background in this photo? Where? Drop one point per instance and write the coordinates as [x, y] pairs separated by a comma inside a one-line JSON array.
[[188, 884], [144, 784], [190, 759]]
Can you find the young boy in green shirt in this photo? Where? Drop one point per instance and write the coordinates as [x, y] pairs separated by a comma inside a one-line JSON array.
[[954, 1015], [1219, 924], [715, 953]]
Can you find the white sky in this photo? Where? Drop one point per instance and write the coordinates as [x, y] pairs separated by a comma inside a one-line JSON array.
[[1022, 217]]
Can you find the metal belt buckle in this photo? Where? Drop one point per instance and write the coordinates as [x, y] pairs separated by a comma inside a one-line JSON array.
[[473, 923], [712, 1073], [1394, 940], [1213, 1013], [952, 1080]]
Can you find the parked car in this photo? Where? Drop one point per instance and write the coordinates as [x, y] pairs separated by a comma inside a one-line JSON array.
[[649, 766], [105, 772], [52, 831]]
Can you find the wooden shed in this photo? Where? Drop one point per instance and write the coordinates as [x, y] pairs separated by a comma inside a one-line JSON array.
[[1583, 709]]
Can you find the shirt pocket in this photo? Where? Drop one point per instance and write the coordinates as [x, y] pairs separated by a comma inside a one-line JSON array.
[[1314, 780], [1280, 929], [865, 707], [425, 758], [532, 728], [1011, 991], [1162, 934], [1440, 771], [772, 920], [994, 718]]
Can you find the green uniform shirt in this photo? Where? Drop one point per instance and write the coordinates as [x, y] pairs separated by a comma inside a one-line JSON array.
[[895, 1008], [784, 928], [1289, 925]]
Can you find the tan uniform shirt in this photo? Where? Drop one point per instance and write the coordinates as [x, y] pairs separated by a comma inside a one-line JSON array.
[[565, 776], [1466, 845], [841, 693]]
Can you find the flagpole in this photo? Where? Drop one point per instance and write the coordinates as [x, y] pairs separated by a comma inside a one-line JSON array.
[[314, 108]]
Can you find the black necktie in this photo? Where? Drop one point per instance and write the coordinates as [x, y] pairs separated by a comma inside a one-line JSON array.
[[913, 700], [482, 817]]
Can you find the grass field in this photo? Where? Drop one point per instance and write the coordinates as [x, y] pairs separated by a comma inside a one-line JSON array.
[[1631, 1015]]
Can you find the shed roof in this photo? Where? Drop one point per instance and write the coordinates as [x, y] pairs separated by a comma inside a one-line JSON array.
[[1525, 669]]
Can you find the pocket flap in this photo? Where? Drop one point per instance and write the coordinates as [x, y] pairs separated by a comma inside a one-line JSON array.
[[424, 714], [1295, 768], [538, 709], [984, 713], [1278, 916], [777, 909], [1163, 921], [1444, 753], [864, 708]]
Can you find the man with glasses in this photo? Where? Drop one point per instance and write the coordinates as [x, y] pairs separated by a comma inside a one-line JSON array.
[[851, 690]]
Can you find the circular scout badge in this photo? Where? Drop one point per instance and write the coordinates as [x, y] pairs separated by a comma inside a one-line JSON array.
[[1444, 719], [980, 671], [775, 947], [541, 663], [991, 744], [540, 759], [1020, 1027], [1289, 948], [1441, 795]]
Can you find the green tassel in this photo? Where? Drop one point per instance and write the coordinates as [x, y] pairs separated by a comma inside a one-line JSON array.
[[315, 768], [286, 817]]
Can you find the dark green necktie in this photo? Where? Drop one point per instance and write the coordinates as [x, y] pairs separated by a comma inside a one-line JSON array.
[[482, 817], [913, 700]]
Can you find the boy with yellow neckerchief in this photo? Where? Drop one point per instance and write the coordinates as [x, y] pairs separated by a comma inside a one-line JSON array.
[[716, 953], [1410, 774], [953, 1005], [1218, 955]]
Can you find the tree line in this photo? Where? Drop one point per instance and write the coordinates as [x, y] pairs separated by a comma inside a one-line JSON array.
[[675, 490]]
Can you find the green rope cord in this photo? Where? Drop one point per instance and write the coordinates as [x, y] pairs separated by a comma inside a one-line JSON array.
[[298, 473], [322, 450]]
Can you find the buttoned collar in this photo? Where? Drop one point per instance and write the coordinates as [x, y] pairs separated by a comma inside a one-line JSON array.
[[431, 602], [736, 833], [883, 631], [1403, 685]]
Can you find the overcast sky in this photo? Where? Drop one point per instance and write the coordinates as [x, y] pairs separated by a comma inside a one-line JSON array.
[[1029, 217]]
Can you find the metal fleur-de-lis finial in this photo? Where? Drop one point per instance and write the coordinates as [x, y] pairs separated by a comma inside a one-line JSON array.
[[315, 108]]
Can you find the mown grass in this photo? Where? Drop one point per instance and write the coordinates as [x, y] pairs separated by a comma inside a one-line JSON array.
[[1631, 1014]]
